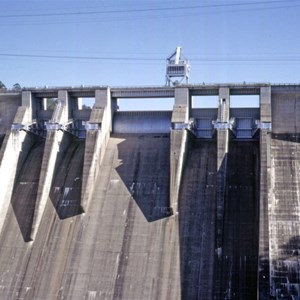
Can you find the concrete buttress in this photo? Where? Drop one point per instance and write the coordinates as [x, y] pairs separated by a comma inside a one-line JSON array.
[[222, 152], [237, 231], [265, 165], [179, 143], [95, 144], [14, 151], [57, 141]]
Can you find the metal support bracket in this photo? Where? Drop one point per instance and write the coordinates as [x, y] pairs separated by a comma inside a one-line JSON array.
[[224, 125], [179, 126], [92, 126], [26, 127], [263, 125], [53, 126]]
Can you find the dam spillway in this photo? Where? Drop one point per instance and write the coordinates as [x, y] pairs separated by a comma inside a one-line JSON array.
[[184, 204]]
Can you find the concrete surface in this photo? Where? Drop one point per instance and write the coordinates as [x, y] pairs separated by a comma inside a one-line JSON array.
[[124, 247], [265, 187], [96, 142], [92, 160], [24, 194], [178, 157], [286, 110], [197, 221], [168, 216], [284, 217], [9, 104], [57, 143], [237, 259], [14, 151]]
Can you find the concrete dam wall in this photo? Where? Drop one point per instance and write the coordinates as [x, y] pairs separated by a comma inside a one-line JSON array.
[[192, 203]]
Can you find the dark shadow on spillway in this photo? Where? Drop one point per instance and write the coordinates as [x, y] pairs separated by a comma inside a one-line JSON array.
[[147, 156], [65, 191], [236, 264], [231, 272], [26, 183], [197, 207]]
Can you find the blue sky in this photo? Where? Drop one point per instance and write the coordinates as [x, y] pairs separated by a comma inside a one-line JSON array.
[[225, 41]]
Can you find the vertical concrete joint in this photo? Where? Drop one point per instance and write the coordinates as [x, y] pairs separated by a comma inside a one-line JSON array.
[[96, 142]]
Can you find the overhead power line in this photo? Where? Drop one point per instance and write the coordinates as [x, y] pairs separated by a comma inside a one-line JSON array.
[[129, 58], [186, 7], [81, 57]]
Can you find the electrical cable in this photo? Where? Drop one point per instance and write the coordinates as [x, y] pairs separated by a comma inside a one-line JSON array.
[[153, 59], [147, 9]]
